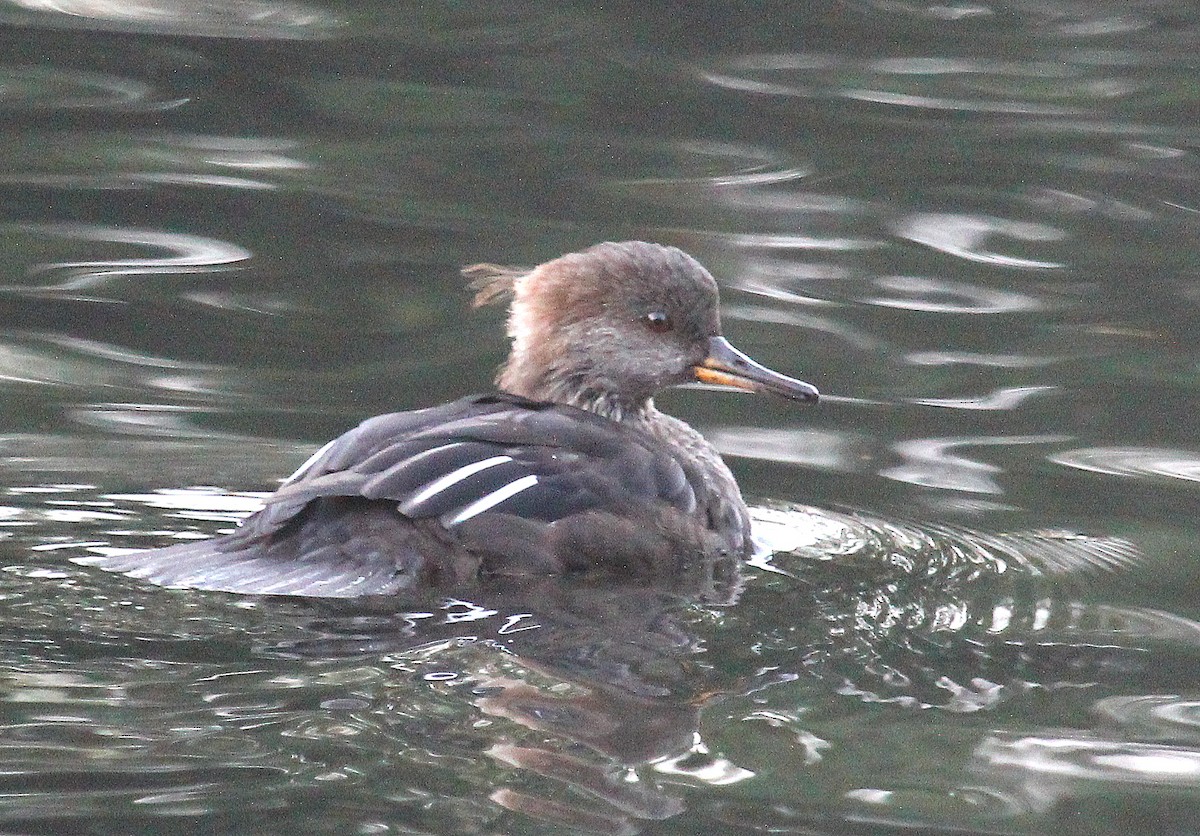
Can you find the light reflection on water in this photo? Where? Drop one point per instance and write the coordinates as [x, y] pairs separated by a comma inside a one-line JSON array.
[[1166, 716], [233, 229], [1137, 463], [209, 18], [1071, 85], [934, 462], [1064, 763], [1007, 398], [82, 279], [963, 237], [39, 88], [545, 669], [940, 296]]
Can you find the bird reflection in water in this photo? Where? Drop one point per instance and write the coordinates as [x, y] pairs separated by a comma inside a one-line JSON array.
[[594, 690], [608, 673]]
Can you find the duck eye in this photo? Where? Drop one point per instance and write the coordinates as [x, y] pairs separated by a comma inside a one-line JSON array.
[[658, 321]]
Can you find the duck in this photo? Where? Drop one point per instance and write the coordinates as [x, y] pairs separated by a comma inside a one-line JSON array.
[[567, 467]]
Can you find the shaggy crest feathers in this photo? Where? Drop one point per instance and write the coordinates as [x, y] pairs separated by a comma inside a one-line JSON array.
[[493, 283]]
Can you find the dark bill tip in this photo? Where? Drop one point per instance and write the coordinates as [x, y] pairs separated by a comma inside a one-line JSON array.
[[726, 366]]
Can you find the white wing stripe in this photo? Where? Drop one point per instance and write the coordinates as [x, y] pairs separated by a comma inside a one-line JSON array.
[[432, 451], [492, 499], [449, 480], [309, 463]]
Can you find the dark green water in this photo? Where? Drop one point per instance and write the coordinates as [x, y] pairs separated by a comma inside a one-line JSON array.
[[233, 229]]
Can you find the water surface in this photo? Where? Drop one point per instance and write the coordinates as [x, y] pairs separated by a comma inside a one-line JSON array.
[[233, 229]]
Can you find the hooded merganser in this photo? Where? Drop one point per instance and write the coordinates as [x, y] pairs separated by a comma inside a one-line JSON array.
[[567, 467]]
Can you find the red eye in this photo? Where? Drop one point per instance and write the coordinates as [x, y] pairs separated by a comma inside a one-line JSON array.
[[658, 322]]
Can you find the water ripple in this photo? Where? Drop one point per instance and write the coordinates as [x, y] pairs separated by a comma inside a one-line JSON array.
[[1059, 89], [1007, 398], [233, 505], [974, 358], [801, 319], [963, 236], [797, 241], [1082, 756], [249, 19], [917, 100], [942, 296], [753, 166], [44, 88], [822, 449], [785, 74], [111, 352], [1154, 715], [80, 160], [188, 254], [1136, 462], [84, 364], [932, 462], [925, 549], [233, 152]]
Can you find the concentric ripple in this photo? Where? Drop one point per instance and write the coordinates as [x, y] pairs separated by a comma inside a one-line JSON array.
[[1153, 715], [817, 535]]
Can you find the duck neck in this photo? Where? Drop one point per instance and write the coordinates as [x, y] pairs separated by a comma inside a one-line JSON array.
[[545, 367], [574, 389]]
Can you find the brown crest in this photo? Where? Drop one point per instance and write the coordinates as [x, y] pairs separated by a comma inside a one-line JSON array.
[[493, 282]]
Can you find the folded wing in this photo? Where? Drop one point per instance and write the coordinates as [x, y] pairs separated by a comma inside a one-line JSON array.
[[416, 497]]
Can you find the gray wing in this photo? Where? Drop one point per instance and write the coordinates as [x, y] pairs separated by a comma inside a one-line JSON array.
[[385, 507]]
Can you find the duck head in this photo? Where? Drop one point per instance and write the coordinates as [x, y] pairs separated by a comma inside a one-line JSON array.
[[606, 328]]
